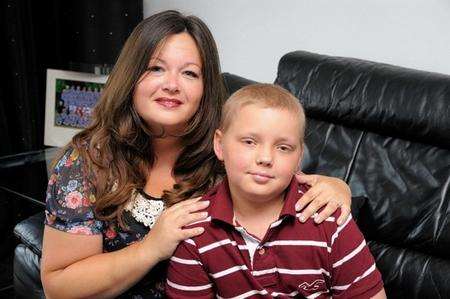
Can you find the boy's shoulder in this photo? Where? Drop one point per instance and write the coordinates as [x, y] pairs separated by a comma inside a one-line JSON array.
[[327, 228], [205, 223], [209, 196], [330, 220], [219, 218]]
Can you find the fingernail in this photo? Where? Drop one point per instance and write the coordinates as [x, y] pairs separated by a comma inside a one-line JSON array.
[[297, 207], [206, 202], [200, 230], [302, 218], [317, 219], [204, 214]]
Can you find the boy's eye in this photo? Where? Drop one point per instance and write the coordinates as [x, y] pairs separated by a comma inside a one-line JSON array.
[[191, 74], [248, 141], [285, 148]]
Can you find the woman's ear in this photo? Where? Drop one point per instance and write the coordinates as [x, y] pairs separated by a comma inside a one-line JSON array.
[[218, 144]]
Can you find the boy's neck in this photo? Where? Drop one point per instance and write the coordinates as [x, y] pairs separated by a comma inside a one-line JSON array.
[[257, 216]]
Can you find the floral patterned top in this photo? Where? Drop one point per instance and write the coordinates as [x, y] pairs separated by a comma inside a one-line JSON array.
[[70, 204]]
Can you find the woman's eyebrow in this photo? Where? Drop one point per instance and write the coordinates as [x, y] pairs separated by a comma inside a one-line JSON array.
[[184, 65], [157, 59]]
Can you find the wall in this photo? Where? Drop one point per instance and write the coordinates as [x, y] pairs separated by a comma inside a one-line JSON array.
[[253, 35]]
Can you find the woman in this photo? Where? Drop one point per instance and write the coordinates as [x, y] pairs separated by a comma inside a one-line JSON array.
[[148, 150]]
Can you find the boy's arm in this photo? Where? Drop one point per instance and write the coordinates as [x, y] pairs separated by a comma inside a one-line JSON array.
[[353, 270], [186, 277]]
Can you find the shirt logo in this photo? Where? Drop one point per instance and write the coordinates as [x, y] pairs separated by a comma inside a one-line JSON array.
[[313, 286]]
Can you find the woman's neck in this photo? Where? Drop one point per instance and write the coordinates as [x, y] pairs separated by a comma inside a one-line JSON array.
[[161, 177], [167, 150]]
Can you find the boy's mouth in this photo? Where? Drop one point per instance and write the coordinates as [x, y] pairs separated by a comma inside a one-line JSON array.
[[261, 177]]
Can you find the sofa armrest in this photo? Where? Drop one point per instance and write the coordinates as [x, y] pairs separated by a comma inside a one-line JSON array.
[[27, 280], [30, 232]]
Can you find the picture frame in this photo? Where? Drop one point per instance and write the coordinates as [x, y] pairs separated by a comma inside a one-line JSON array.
[[70, 98]]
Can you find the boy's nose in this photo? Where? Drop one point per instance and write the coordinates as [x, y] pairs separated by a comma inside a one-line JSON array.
[[264, 160]]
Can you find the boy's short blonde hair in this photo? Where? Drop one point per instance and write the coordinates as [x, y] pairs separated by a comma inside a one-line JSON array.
[[265, 96]]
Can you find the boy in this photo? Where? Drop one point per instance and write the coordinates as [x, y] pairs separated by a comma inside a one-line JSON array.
[[253, 244]]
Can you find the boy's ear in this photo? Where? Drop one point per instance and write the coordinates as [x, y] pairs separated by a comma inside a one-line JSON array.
[[218, 144], [300, 159], [302, 151]]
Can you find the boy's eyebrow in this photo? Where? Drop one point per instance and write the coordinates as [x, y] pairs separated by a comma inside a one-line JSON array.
[[256, 135]]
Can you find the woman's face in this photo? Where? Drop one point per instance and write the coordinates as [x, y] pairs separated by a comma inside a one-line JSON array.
[[169, 92]]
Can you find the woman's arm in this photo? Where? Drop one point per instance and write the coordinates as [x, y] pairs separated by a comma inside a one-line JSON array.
[[380, 295], [333, 193], [74, 266]]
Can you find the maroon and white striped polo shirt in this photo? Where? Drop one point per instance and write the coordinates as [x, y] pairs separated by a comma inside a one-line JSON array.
[[293, 259]]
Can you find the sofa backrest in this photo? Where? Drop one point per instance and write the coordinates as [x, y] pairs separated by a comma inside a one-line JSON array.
[[386, 131]]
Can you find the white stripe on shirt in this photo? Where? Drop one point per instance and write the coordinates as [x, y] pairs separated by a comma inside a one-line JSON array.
[[216, 244], [246, 294], [298, 243], [276, 223], [351, 254], [315, 295], [329, 219], [189, 288], [228, 271], [291, 271], [336, 234], [276, 294], [208, 219], [366, 273], [190, 241], [185, 261]]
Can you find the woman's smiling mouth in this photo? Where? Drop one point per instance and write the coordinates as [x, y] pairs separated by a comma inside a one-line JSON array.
[[169, 102]]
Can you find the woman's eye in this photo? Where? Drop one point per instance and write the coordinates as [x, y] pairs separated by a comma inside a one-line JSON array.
[[191, 74], [155, 69]]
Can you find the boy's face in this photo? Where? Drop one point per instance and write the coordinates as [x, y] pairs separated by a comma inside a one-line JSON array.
[[261, 151]]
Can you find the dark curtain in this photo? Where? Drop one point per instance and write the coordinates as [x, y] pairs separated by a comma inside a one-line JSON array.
[[36, 35], [30, 38], [39, 34]]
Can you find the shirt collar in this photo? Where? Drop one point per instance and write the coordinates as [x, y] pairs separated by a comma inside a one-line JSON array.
[[221, 207], [293, 193]]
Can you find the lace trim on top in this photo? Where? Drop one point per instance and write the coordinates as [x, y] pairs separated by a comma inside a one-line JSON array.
[[145, 210]]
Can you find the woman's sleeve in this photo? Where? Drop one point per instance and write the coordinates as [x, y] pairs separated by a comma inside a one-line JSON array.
[[70, 198]]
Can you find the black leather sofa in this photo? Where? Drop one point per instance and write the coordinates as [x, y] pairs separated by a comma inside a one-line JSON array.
[[383, 129], [386, 131]]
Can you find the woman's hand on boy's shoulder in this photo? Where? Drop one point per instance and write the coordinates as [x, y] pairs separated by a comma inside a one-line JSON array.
[[329, 192], [170, 228]]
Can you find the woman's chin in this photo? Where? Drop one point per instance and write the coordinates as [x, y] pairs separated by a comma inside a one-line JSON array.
[[167, 129]]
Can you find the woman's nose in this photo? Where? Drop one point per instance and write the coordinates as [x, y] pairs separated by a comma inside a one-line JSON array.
[[171, 83]]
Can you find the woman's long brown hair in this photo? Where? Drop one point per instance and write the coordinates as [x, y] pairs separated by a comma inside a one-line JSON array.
[[117, 146]]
